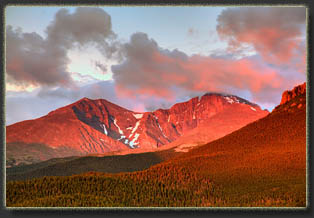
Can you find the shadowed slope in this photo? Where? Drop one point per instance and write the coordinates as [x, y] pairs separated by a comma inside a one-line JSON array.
[[76, 165]]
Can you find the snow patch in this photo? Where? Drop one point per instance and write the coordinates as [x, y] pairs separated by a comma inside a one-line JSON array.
[[230, 101], [135, 138], [155, 117], [129, 128], [253, 108], [121, 137], [159, 125], [102, 140], [133, 142], [161, 130], [136, 126], [105, 130], [169, 118], [138, 116], [115, 123]]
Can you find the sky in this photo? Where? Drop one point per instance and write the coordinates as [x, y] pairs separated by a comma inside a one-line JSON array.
[[145, 58]]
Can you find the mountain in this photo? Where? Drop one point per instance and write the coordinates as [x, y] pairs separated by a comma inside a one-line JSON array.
[[282, 132], [261, 164], [296, 91], [99, 126]]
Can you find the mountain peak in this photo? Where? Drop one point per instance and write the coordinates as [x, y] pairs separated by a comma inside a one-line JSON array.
[[296, 91], [85, 99], [231, 98]]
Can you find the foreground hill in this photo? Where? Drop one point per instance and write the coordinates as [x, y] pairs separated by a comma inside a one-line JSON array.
[[262, 164], [77, 165], [98, 127]]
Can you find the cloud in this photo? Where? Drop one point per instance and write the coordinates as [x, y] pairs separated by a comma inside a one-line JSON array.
[[151, 70], [141, 68], [85, 26], [31, 59], [100, 66], [104, 90], [82, 79], [274, 32]]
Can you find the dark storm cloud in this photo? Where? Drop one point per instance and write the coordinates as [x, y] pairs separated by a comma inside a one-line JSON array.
[[31, 59]]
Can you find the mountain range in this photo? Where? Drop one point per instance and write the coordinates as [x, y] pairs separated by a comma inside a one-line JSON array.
[[100, 127]]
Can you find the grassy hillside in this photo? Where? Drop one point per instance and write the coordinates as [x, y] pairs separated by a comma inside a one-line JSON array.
[[262, 164]]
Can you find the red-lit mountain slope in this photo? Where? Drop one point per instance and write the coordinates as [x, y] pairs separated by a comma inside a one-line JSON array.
[[281, 130], [98, 126], [261, 164]]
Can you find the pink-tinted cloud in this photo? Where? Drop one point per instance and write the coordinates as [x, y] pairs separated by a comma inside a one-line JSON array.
[[274, 32], [151, 70]]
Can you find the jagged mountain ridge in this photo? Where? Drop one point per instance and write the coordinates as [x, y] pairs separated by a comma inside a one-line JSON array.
[[99, 126], [290, 94]]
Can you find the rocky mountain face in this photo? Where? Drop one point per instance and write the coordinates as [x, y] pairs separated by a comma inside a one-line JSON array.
[[296, 91], [98, 126], [292, 100]]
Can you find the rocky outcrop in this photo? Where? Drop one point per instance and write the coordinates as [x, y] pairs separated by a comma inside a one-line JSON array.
[[296, 91]]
